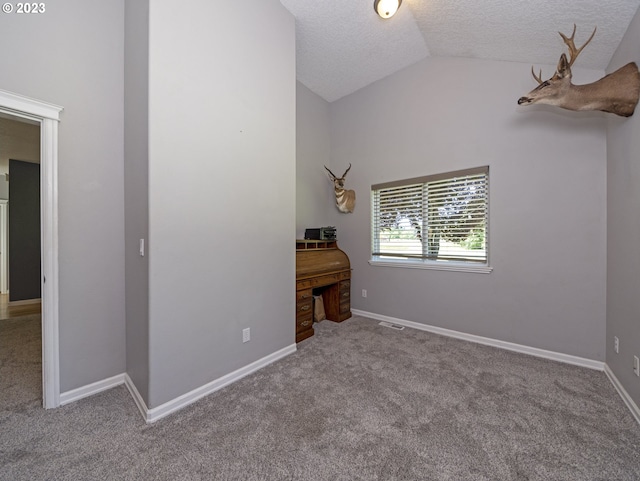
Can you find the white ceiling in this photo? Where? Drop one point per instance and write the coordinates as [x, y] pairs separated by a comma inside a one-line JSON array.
[[342, 45]]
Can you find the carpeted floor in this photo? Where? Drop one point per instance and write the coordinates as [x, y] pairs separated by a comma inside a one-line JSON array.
[[20, 362], [356, 402]]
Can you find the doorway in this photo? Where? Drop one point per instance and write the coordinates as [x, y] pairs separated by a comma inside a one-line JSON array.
[[47, 115]]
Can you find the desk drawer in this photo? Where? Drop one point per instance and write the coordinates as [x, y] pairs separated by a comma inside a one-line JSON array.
[[304, 322], [345, 290], [305, 295], [320, 281], [304, 307], [324, 280], [345, 298], [345, 307], [344, 275]]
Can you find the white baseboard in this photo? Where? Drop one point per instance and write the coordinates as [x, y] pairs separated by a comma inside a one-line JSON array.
[[533, 351], [25, 302], [509, 346], [91, 389], [152, 415], [633, 407], [137, 398]]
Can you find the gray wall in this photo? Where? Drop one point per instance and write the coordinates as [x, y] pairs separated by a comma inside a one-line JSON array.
[[136, 193], [547, 201], [73, 56], [221, 189], [314, 190], [623, 203]]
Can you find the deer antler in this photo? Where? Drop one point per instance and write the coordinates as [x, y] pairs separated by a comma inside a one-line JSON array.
[[345, 172], [539, 77], [573, 51], [332, 174], [617, 92]]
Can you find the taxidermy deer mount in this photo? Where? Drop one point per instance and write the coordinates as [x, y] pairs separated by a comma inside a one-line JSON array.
[[345, 199], [616, 93]]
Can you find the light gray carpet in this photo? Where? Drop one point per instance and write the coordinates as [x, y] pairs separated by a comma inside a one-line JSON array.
[[20, 362], [356, 402]]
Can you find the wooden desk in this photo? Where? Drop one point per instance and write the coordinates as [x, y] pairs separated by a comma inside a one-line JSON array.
[[321, 267]]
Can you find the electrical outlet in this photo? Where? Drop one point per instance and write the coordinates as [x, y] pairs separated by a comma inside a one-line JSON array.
[[636, 365], [246, 335], [616, 344], [364, 293]]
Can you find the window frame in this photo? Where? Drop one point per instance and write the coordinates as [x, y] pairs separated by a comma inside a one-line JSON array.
[[424, 262]]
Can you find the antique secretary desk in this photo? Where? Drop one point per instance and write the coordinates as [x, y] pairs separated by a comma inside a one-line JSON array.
[[321, 268]]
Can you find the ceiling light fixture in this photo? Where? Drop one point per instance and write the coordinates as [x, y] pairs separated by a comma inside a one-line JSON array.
[[386, 8]]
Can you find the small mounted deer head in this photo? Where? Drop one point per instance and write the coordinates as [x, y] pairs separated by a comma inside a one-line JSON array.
[[345, 199], [616, 93]]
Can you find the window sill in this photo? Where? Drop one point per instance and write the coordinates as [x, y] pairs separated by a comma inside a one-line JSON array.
[[431, 265]]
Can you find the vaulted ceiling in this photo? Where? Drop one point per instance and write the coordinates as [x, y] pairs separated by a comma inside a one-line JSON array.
[[342, 45]]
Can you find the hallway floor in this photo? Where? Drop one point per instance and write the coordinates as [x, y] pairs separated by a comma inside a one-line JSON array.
[[9, 312]]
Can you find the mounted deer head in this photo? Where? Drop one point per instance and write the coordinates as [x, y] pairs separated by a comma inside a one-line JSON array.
[[616, 93], [345, 199]]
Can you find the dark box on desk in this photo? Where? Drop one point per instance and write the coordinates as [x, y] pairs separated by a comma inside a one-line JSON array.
[[321, 233]]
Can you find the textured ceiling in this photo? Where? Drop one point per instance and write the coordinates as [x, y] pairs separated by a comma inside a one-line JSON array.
[[342, 45]]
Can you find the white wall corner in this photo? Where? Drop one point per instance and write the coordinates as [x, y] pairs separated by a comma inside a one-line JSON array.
[[633, 407], [137, 397]]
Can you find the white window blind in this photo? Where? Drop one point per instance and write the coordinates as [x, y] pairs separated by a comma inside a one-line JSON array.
[[441, 217]]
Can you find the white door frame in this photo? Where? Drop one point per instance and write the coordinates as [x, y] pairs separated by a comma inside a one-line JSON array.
[[48, 115]]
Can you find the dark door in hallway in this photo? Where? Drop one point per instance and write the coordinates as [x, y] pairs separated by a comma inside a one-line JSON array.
[[24, 231]]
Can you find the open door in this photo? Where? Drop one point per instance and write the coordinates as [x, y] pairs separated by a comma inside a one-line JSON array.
[[24, 231]]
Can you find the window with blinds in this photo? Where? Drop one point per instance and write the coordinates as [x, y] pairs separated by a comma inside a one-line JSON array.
[[440, 218]]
